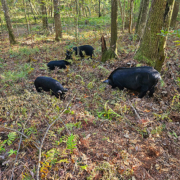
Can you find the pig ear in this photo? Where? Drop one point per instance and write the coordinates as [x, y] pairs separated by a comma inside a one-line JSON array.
[[59, 91], [106, 81]]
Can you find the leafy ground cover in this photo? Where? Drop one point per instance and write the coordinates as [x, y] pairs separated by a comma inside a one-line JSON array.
[[94, 133]]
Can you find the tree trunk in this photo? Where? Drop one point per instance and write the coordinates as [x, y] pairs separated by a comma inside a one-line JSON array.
[[79, 8], [131, 14], [37, 13], [142, 17], [89, 10], [114, 26], [174, 14], [32, 11], [57, 20], [44, 15], [51, 9], [77, 24], [122, 14], [8, 22], [112, 51], [99, 8], [27, 23], [152, 45]]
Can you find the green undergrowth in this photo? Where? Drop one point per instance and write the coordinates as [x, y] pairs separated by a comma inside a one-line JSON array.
[[23, 51], [18, 74], [87, 105]]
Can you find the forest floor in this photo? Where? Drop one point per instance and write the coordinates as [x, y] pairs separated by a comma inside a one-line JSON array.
[[98, 132]]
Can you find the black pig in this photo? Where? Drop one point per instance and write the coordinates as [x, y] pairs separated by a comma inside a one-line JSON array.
[[140, 79], [49, 84], [86, 48], [60, 64]]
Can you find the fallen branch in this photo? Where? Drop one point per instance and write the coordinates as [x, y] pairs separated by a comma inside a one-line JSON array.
[[135, 111], [16, 157], [41, 145]]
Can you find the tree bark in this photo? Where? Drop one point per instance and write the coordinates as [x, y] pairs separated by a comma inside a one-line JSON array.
[[122, 14], [131, 14], [32, 11], [77, 24], [112, 51], [142, 18], [51, 9], [152, 45], [57, 20], [27, 23], [174, 14], [8, 22], [114, 26], [99, 8], [44, 15]]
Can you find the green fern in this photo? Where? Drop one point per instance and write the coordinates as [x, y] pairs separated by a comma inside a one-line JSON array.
[[11, 138], [31, 130], [11, 152], [71, 142]]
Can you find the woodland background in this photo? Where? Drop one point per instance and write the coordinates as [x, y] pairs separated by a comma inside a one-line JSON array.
[[96, 132]]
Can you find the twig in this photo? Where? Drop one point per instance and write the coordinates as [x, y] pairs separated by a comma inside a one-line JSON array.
[[11, 129], [135, 111], [41, 145], [16, 157]]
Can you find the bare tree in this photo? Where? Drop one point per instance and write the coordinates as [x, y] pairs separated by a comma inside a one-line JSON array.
[[57, 20], [44, 15], [8, 22], [27, 23], [131, 14], [99, 8], [175, 14], [112, 51], [142, 17], [122, 11]]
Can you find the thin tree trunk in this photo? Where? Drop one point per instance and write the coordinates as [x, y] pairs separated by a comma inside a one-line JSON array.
[[83, 9], [51, 9], [131, 14], [175, 14], [44, 15], [33, 8], [152, 45], [142, 18], [89, 10], [114, 26], [8, 22], [112, 51], [1, 27], [32, 11], [57, 20], [99, 8], [27, 23], [76, 22], [122, 15], [79, 9]]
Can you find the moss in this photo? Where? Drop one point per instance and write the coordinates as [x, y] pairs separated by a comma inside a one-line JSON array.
[[141, 58], [109, 54]]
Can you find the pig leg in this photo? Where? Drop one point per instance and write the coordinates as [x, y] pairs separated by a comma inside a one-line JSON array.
[[38, 89], [143, 91], [53, 92], [151, 92]]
